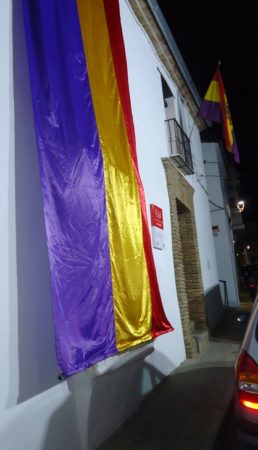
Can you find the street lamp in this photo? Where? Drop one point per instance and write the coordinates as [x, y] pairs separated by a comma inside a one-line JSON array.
[[240, 205]]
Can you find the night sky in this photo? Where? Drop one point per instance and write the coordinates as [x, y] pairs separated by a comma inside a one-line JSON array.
[[207, 33]]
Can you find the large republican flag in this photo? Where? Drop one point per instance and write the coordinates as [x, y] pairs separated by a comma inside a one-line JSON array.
[[215, 108], [105, 292]]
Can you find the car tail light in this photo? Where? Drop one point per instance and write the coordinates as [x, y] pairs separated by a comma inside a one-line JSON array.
[[247, 378]]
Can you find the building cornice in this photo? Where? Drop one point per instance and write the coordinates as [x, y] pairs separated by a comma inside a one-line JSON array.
[[148, 22]]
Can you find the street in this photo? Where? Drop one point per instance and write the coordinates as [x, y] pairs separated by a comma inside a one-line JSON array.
[[227, 436]]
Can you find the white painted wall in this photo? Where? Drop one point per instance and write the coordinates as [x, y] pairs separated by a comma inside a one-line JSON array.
[[6, 194], [203, 220], [223, 240], [36, 411], [149, 115]]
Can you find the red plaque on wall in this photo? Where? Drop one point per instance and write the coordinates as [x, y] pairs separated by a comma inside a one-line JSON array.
[[156, 216], [157, 228]]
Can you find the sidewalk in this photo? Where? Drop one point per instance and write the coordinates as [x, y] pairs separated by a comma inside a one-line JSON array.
[[186, 411]]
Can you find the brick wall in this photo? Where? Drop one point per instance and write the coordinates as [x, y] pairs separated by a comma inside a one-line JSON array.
[[185, 254]]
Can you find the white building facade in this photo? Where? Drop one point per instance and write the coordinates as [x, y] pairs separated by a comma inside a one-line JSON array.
[[37, 410], [221, 215]]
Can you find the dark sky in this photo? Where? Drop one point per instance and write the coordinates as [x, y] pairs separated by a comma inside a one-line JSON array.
[[207, 33]]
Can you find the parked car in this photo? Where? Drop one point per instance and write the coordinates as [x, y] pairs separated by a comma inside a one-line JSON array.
[[246, 397], [252, 283]]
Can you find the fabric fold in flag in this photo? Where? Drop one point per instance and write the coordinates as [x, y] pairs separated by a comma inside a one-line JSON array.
[[215, 108], [104, 285], [159, 321]]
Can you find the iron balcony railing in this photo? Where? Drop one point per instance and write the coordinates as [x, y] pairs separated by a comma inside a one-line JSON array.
[[179, 146]]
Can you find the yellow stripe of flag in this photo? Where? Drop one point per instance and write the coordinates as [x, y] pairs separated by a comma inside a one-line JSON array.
[[130, 282]]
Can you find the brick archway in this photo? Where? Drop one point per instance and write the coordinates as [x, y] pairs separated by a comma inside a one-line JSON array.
[[186, 255]]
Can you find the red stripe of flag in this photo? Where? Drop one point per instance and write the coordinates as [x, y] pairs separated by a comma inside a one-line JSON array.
[[160, 324], [223, 108]]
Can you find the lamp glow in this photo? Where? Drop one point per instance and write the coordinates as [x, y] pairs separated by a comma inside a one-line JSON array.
[[240, 205]]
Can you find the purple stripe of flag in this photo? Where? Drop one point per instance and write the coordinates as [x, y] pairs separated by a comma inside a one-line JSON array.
[[235, 149], [72, 185], [211, 111]]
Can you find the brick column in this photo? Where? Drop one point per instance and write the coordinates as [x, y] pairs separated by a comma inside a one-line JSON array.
[[192, 269], [186, 254]]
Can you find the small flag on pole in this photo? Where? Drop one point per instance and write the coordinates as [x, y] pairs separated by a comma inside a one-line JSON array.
[[215, 108]]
